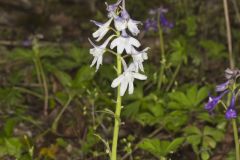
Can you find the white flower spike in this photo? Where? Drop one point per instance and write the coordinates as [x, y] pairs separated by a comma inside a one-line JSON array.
[[126, 80], [126, 29], [124, 42], [103, 29], [98, 52]]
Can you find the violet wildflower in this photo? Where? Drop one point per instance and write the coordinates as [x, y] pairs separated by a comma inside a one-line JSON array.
[[150, 24], [231, 112], [213, 101], [222, 87], [165, 23], [158, 15], [227, 87]]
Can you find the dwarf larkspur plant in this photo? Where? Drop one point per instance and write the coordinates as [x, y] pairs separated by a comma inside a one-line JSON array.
[[230, 88], [122, 26], [227, 87]]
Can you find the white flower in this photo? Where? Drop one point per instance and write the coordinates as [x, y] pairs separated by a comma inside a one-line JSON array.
[[98, 52], [124, 42], [112, 8], [139, 57], [126, 79], [132, 26], [103, 29], [120, 23], [124, 21]]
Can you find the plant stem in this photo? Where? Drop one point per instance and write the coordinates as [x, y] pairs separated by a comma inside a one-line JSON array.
[[117, 120], [235, 132], [163, 59], [229, 36], [174, 76], [55, 123], [231, 61], [45, 86], [40, 73]]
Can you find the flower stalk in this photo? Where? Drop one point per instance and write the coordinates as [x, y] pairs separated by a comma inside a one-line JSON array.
[[162, 49], [235, 132], [40, 74], [122, 42], [117, 119], [231, 62]]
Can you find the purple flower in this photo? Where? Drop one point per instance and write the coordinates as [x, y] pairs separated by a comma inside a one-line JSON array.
[[113, 7], [27, 43], [222, 87], [150, 24], [231, 111], [213, 101], [165, 23]]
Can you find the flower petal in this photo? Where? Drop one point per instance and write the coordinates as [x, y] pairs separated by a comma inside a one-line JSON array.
[[123, 87], [117, 81], [130, 88], [134, 42], [132, 26], [139, 76]]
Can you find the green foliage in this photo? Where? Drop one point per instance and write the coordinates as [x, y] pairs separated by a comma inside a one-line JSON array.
[[214, 49], [203, 141], [190, 99], [161, 148]]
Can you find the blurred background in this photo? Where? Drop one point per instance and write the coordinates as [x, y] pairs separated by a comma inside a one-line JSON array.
[[54, 106]]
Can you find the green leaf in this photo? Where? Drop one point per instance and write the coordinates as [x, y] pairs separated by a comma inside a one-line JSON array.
[[22, 54], [174, 145], [205, 155], [13, 146], [157, 110], [90, 141], [209, 142], [146, 118], [153, 146], [64, 78], [202, 94], [131, 109], [175, 120], [83, 76], [213, 48], [9, 126], [192, 130], [191, 25], [194, 139], [218, 135], [178, 53], [192, 94]]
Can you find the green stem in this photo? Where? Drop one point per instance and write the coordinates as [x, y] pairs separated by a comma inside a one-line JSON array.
[[45, 86], [235, 132], [162, 158], [174, 76], [117, 120], [163, 59], [55, 123], [40, 73], [229, 35], [37, 70]]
